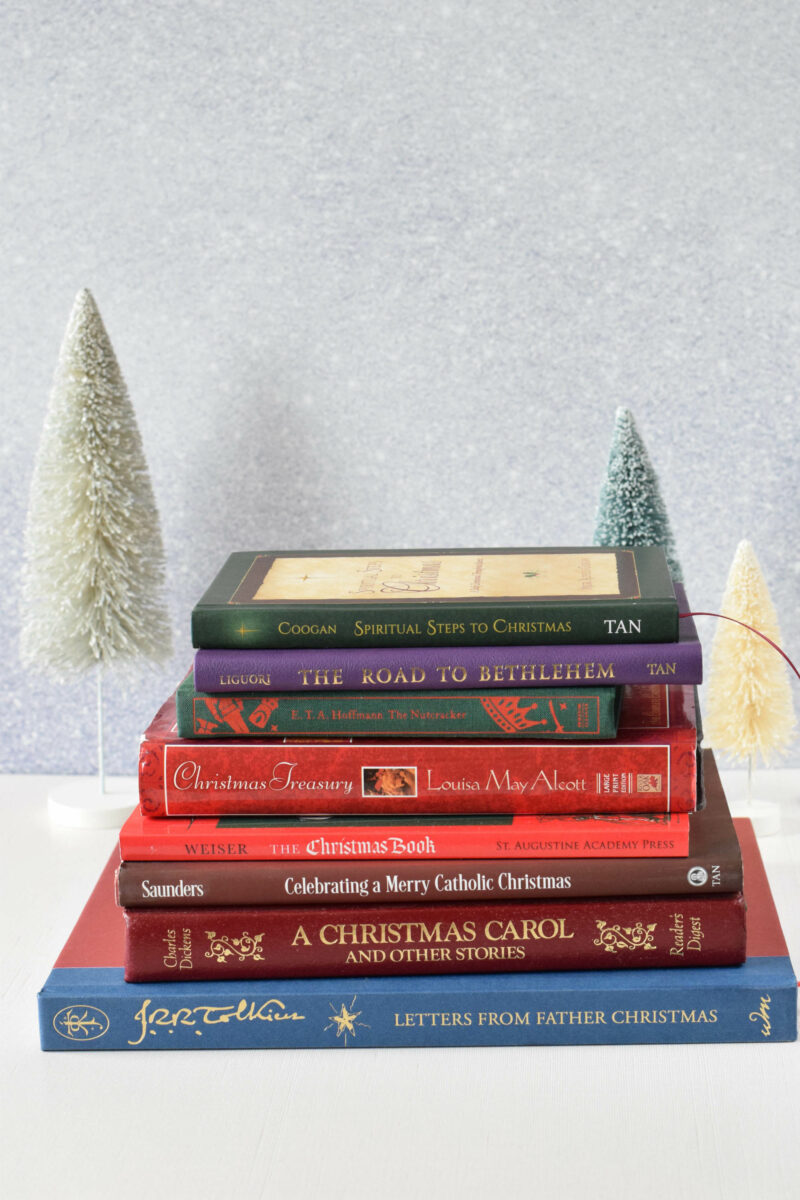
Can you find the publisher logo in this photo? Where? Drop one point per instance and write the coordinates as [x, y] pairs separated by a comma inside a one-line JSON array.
[[648, 783], [81, 1023], [697, 876]]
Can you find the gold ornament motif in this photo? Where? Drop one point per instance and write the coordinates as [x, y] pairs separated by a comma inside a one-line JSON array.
[[242, 947], [344, 1021], [81, 1023], [627, 937]]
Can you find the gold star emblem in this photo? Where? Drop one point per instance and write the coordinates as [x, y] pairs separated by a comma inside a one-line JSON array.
[[345, 1020], [243, 630]]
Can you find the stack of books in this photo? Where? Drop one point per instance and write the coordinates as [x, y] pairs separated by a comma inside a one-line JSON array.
[[429, 798]]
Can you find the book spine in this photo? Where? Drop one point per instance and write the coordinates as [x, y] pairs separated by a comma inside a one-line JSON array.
[[501, 837], [450, 623], [92, 1009], [196, 778], [316, 941], [195, 885], [448, 668], [526, 714]]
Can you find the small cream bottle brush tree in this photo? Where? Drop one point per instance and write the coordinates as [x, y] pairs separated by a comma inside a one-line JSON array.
[[93, 574], [749, 709]]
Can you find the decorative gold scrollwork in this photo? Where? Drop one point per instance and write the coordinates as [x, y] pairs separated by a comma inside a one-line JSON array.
[[242, 947], [625, 937]]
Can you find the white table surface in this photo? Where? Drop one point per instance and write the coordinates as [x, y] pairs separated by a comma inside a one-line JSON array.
[[715, 1121]]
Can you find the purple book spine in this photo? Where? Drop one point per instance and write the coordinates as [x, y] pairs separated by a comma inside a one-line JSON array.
[[447, 667]]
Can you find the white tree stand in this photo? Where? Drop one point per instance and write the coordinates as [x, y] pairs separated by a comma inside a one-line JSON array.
[[95, 801], [747, 798], [80, 804]]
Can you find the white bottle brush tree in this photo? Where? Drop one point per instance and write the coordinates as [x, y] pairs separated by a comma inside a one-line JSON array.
[[749, 709], [94, 562]]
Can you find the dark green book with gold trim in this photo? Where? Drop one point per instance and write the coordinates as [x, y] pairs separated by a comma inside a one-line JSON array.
[[562, 595], [571, 714]]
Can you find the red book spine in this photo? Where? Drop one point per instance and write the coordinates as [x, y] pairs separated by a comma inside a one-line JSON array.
[[208, 839], [206, 778], [413, 939]]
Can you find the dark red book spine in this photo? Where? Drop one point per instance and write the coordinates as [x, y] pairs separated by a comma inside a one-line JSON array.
[[410, 939]]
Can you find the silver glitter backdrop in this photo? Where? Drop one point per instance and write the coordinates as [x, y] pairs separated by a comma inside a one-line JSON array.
[[379, 274]]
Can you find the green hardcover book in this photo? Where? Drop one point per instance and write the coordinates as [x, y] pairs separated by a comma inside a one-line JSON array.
[[297, 598], [574, 714]]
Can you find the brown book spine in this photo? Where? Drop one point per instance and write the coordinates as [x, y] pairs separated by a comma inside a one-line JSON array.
[[410, 939], [256, 884]]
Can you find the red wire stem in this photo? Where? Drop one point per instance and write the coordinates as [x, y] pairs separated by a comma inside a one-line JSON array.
[[744, 625]]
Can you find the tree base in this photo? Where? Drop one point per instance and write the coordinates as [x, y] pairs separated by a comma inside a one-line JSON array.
[[765, 815], [81, 805]]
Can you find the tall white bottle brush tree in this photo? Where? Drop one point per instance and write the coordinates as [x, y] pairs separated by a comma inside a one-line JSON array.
[[93, 576]]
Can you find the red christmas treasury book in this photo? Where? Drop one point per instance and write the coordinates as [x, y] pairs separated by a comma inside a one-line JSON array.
[[649, 767]]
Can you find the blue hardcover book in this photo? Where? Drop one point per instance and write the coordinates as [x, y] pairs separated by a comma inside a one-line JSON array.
[[86, 1005]]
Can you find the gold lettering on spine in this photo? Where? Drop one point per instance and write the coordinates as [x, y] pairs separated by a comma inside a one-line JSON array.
[[546, 929], [286, 629], [762, 1015], [149, 1020]]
